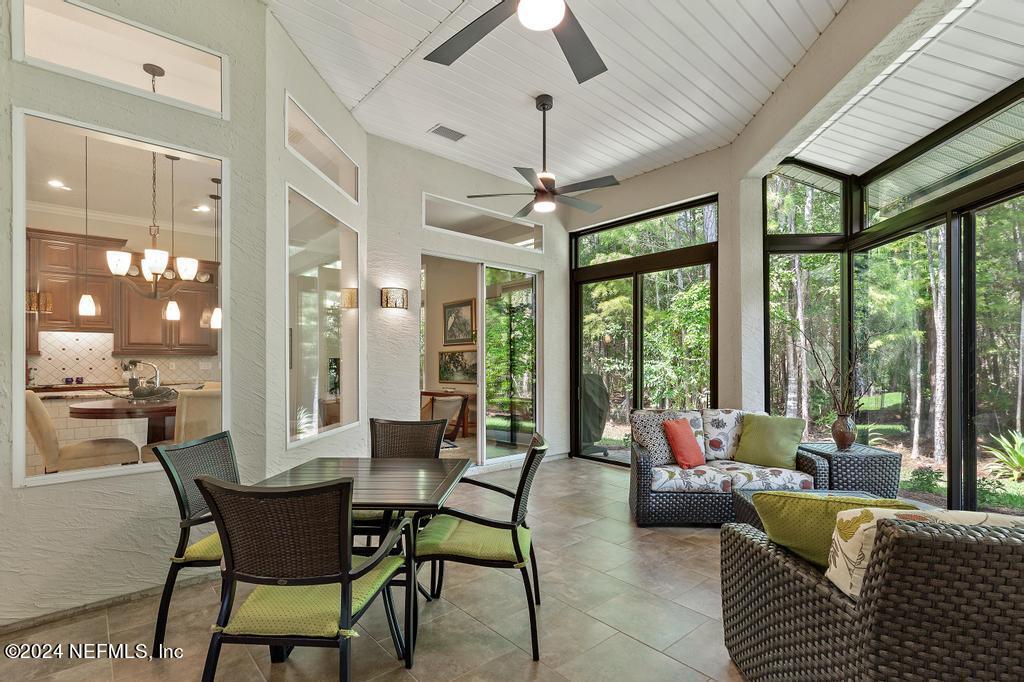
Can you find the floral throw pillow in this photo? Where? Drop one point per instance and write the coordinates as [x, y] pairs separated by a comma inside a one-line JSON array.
[[649, 432], [856, 529], [722, 430]]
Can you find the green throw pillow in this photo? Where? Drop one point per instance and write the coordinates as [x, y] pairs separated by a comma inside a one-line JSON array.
[[804, 522], [770, 441]]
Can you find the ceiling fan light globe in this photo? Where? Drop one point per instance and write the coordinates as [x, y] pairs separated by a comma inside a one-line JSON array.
[[544, 205], [540, 15]]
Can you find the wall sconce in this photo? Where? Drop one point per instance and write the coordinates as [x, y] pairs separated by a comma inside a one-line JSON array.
[[38, 302], [394, 297], [350, 298]]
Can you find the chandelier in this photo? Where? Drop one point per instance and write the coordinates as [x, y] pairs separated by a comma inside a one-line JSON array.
[[154, 264]]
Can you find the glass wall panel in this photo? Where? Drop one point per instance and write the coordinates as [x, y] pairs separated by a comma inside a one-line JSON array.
[[804, 336], [900, 328], [311, 143], [689, 227], [510, 349], [117, 360], [74, 38], [999, 360], [801, 201], [990, 146], [606, 367], [323, 320], [677, 338], [454, 216]]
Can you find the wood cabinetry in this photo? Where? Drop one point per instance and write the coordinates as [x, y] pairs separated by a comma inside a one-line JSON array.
[[141, 330], [67, 266]]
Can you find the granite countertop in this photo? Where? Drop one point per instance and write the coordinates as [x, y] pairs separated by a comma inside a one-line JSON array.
[[67, 392]]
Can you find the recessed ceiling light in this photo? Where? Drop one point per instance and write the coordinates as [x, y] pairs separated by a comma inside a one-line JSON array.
[[201, 208], [58, 184]]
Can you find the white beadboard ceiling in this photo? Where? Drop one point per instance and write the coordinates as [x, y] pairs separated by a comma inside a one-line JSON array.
[[976, 51], [684, 77]]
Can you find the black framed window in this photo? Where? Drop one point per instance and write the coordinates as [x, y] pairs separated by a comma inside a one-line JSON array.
[[643, 312]]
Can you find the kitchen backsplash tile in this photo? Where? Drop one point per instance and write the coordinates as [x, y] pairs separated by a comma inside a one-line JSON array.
[[89, 355]]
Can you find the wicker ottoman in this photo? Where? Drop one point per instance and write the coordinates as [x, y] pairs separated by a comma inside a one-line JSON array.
[[861, 467], [743, 503]]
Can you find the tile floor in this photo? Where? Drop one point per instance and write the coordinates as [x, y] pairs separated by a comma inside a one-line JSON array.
[[618, 603]]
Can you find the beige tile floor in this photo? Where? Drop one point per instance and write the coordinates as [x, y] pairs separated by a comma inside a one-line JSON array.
[[618, 603]]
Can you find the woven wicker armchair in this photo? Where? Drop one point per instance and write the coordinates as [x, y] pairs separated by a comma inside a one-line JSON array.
[[940, 602], [653, 508]]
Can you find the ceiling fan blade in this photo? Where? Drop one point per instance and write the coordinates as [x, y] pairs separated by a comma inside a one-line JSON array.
[[524, 211], [587, 206], [507, 194], [458, 44], [606, 181], [583, 58], [531, 177]]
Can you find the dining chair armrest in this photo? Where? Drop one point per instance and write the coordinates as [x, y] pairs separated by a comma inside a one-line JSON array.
[[483, 521], [388, 544], [196, 521], [489, 486]]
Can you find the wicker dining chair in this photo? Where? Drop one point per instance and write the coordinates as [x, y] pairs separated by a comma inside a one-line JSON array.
[[459, 536], [183, 462], [390, 438], [295, 544]]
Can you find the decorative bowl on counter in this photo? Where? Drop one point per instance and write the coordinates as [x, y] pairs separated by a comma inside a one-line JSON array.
[[146, 394]]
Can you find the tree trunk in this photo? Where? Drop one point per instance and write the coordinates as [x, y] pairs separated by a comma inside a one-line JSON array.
[[937, 285], [791, 384], [711, 223], [793, 344], [915, 389], [801, 323]]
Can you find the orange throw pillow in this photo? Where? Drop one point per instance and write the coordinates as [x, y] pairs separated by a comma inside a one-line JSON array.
[[683, 443]]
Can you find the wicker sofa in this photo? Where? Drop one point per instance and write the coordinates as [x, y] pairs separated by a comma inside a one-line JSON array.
[[939, 602], [661, 495]]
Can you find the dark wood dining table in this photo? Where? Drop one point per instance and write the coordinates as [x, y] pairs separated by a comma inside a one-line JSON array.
[[415, 484], [160, 415]]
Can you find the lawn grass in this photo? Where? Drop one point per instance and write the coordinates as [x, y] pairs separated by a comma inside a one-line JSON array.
[[881, 401]]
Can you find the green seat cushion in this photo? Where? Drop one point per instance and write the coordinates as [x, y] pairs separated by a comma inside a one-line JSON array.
[[770, 441], [804, 522], [307, 610], [451, 536], [376, 514], [207, 549]]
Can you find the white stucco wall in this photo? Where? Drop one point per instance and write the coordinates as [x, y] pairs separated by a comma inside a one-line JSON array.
[[74, 543], [399, 175]]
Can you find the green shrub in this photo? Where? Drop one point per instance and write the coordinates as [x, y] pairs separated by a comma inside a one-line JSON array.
[[1009, 455], [925, 480], [990, 490]]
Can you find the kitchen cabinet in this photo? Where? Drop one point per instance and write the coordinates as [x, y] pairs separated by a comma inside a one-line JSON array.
[[141, 330], [66, 266]]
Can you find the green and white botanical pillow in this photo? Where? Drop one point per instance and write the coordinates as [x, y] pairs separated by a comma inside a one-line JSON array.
[[649, 432], [856, 529]]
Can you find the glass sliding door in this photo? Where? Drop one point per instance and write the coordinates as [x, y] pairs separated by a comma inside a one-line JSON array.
[[997, 447], [510, 352], [606, 368], [900, 330], [676, 338]]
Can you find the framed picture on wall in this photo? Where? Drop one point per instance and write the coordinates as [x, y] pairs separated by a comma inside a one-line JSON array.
[[460, 322], [457, 367]]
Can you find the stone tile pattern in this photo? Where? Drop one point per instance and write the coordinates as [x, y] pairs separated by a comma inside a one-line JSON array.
[[618, 603], [90, 355]]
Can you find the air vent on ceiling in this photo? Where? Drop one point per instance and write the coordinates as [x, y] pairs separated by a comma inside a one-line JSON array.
[[447, 133]]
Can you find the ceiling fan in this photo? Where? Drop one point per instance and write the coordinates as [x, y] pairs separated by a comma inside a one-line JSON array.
[[545, 191], [536, 15]]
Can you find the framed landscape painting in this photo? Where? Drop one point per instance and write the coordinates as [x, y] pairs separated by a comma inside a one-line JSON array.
[[457, 367], [460, 322]]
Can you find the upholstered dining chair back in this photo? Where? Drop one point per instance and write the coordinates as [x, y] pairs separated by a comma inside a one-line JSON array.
[[389, 438], [449, 408], [274, 535], [534, 456], [184, 462], [198, 414], [40, 426]]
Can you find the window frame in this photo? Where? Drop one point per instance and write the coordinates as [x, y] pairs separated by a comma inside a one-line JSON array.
[[290, 444], [19, 55], [635, 268], [288, 96], [19, 228]]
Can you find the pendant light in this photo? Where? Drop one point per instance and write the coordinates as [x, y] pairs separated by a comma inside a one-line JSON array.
[[216, 318], [186, 266], [86, 304], [155, 258], [540, 15], [172, 312]]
